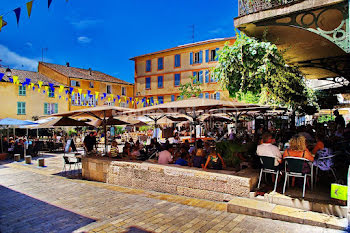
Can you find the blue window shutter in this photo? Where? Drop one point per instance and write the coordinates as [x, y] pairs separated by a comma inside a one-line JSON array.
[[201, 77], [195, 75], [207, 76], [172, 98], [56, 107], [200, 56], [191, 58], [218, 95], [45, 108], [207, 95], [201, 95], [177, 60], [207, 55], [217, 54]]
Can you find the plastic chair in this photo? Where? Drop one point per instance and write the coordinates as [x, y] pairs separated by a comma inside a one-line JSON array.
[[268, 164], [323, 161], [70, 163], [294, 168]]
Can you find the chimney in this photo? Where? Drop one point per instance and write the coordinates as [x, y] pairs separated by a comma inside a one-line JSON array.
[[67, 64], [90, 70]]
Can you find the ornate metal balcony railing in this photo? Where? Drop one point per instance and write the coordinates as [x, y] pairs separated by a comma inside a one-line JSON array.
[[246, 7]]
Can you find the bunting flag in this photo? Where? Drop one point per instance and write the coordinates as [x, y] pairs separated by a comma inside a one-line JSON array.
[[66, 92], [120, 100], [18, 14], [46, 88], [49, 3], [89, 93], [104, 95], [15, 79], [1, 76], [27, 81], [96, 94], [1, 24], [61, 89], [29, 8], [109, 99], [112, 96], [51, 86], [71, 90], [80, 90], [40, 83]]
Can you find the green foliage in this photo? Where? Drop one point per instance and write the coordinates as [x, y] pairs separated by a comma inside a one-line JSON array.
[[119, 130], [72, 132], [256, 70], [228, 151], [326, 100], [190, 89], [325, 118], [144, 128]]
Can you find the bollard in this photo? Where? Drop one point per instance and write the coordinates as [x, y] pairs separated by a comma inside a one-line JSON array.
[[17, 157], [41, 162], [28, 159]]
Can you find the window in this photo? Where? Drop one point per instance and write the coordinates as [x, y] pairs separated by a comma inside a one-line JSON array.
[[50, 108], [108, 89], [160, 99], [148, 83], [211, 55], [207, 76], [177, 80], [76, 99], [196, 58], [123, 91], [91, 84], [74, 83], [148, 65], [201, 95], [160, 63], [51, 93], [198, 77], [172, 98], [22, 90], [21, 108], [160, 81], [177, 60], [207, 95], [109, 103], [216, 96], [91, 101]]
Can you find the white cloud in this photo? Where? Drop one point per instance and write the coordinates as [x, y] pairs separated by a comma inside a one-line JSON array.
[[86, 23], [17, 61], [28, 44], [84, 40]]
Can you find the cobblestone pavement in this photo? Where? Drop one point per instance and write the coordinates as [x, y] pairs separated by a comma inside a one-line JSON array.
[[34, 201]]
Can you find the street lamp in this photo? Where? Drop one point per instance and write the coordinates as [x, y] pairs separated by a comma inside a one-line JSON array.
[[8, 72]]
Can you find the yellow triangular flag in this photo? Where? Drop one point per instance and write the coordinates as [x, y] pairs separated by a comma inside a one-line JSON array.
[[61, 88], [29, 8], [80, 90], [40, 83], [112, 96], [109, 99], [96, 94], [15, 79], [1, 22], [120, 100]]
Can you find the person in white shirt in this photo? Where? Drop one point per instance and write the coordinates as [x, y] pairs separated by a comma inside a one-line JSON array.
[[268, 149]]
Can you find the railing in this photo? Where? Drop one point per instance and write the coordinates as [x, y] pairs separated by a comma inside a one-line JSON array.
[[246, 7]]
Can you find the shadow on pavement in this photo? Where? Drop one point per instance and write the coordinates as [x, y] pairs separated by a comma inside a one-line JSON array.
[[136, 230], [22, 213]]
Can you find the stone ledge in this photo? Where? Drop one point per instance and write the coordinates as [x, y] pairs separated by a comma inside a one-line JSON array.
[[284, 213]]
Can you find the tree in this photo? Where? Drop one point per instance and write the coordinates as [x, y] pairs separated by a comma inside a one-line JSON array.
[[258, 69], [190, 89]]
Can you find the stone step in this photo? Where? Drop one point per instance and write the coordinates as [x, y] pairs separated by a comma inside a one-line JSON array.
[[284, 213]]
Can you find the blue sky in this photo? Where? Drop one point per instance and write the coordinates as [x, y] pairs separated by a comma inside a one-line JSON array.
[[105, 34]]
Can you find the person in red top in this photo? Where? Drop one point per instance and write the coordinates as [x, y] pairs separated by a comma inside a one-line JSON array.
[[319, 145], [297, 148]]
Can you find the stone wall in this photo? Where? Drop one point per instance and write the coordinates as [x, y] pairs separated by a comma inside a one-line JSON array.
[[94, 168], [182, 181]]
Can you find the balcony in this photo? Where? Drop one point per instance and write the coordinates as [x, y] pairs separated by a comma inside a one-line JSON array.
[[246, 7]]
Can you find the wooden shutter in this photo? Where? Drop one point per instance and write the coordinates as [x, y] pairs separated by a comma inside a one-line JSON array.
[[207, 76], [56, 107], [191, 58], [195, 75], [201, 77], [207, 55], [200, 56]]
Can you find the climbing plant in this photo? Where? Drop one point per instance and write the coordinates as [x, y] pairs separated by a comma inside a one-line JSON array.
[[256, 70], [190, 89]]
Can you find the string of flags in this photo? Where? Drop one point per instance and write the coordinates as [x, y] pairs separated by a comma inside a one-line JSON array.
[[17, 11], [69, 94]]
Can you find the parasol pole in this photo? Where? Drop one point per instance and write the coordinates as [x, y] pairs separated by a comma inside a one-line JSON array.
[[105, 130], [2, 149]]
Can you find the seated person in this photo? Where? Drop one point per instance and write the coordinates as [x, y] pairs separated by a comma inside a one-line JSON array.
[[214, 160], [135, 152], [182, 160], [319, 144], [199, 157], [165, 156], [268, 149], [127, 150], [297, 148], [114, 149]]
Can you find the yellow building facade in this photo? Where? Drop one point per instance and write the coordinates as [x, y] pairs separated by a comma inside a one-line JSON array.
[[117, 92], [25, 102], [159, 75]]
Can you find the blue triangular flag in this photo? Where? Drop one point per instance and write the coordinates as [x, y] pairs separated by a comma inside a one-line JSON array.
[[18, 14], [49, 3], [1, 75]]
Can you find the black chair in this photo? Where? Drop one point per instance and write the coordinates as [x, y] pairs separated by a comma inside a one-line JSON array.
[[294, 167], [67, 162], [268, 166]]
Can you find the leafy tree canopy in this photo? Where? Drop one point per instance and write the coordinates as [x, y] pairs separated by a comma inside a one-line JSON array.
[[190, 89], [256, 70]]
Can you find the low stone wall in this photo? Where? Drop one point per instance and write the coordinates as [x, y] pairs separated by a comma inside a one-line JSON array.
[[182, 181], [95, 168]]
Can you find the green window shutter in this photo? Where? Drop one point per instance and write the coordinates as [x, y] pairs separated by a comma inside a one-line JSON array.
[[18, 108], [56, 107], [45, 108], [23, 108]]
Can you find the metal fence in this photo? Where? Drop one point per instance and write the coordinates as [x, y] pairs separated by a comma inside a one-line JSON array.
[[247, 7]]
